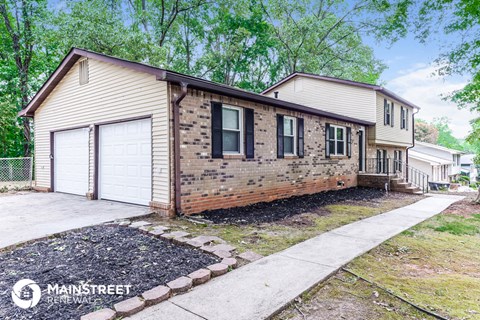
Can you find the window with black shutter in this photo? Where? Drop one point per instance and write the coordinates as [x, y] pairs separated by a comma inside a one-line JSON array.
[[336, 140], [290, 136], [232, 131]]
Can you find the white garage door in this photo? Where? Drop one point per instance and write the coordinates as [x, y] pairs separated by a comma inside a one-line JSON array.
[[71, 161], [125, 162]]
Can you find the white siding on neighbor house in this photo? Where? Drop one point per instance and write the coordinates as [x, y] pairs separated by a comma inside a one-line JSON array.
[[329, 96], [113, 93], [423, 166], [386, 134]]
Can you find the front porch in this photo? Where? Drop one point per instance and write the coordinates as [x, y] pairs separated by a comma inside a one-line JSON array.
[[393, 175]]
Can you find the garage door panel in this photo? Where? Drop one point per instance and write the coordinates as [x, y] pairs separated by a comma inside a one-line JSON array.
[[71, 156], [125, 162]]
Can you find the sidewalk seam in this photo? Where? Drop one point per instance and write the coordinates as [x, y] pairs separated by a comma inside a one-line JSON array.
[[187, 310]]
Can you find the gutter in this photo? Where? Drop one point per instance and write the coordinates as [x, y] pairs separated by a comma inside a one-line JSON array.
[[176, 146]]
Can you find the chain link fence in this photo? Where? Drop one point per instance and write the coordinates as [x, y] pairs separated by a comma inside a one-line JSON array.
[[16, 173]]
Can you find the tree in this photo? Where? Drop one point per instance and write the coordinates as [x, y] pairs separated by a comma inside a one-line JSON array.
[[324, 37], [445, 136], [425, 132], [19, 33]]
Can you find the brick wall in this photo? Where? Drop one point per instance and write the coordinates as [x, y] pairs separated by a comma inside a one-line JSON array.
[[208, 183]]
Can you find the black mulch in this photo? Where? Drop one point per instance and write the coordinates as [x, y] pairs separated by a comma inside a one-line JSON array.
[[265, 212], [101, 255]]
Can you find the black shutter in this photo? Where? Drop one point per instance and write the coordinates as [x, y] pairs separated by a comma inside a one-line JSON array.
[[327, 140], [349, 142], [402, 116], [300, 144], [385, 111], [217, 128], [392, 112], [406, 119], [249, 134], [280, 150]]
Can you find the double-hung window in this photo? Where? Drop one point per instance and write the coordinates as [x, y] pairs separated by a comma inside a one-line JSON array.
[[336, 140], [232, 120], [290, 135], [387, 112]]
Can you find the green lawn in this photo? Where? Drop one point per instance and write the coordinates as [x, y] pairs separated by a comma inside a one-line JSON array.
[[435, 265]]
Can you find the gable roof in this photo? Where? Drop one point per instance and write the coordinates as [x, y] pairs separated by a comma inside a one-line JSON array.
[[373, 87], [174, 77], [434, 146], [430, 159]]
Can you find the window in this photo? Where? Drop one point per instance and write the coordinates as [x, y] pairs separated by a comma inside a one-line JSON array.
[[289, 135], [387, 112], [336, 140], [403, 118], [232, 130], [83, 75]]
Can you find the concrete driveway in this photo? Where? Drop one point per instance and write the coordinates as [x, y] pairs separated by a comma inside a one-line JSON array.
[[30, 216]]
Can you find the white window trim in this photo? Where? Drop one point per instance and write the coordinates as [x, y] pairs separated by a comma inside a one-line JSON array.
[[403, 124], [240, 130], [335, 139], [294, 136]]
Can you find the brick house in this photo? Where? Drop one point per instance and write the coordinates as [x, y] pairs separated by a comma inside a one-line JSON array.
[[108, 128]]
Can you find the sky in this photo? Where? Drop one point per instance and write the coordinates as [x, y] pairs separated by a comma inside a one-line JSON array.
[[410, 68]]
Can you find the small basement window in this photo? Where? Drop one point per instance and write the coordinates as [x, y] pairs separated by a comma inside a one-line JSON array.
[[83, 74]]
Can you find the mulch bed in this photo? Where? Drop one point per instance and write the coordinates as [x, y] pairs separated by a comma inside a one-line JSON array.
[[266, 212], [100, 255]]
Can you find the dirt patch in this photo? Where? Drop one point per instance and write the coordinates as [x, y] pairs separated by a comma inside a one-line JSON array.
[[465, 208], [277, 210], [347, 297], [100, 255]]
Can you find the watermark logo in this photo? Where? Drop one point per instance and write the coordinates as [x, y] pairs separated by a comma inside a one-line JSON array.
[[26, 293]]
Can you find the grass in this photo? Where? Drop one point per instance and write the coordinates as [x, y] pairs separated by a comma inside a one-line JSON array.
[[435, 265], [268, 238], [344, 296]]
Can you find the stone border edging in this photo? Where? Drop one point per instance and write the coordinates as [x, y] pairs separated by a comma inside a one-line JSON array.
[[208, 244]]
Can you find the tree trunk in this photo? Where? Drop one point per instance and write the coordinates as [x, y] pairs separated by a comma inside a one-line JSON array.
[[26, 123]]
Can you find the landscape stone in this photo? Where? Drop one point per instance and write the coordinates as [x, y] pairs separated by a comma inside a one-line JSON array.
[[200, 276], [128, 307], [208, 239], [175, 234], [222, 254], [180, 285], [156, 295], [139, 224], [231, 262], [194, 243], [218, 269], [250, 256]]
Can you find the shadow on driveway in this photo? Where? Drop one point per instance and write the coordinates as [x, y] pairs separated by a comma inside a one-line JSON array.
[[30, 216]]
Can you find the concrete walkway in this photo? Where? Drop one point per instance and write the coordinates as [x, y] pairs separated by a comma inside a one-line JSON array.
[[25, 217], [262, 288]]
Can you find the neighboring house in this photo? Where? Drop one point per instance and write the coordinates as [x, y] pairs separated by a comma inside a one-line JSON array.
[[113, 129], [468, 167], [440, 163], [392, 115]]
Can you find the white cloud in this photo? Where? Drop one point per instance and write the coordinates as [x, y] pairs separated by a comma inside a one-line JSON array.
[[420, 86]]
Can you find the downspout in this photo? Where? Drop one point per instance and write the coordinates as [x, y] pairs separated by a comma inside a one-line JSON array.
[[176, 145], [413, 141]]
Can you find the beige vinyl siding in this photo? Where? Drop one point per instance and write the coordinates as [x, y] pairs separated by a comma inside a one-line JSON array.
[[388, 135], [112, 93], [339, 98]]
